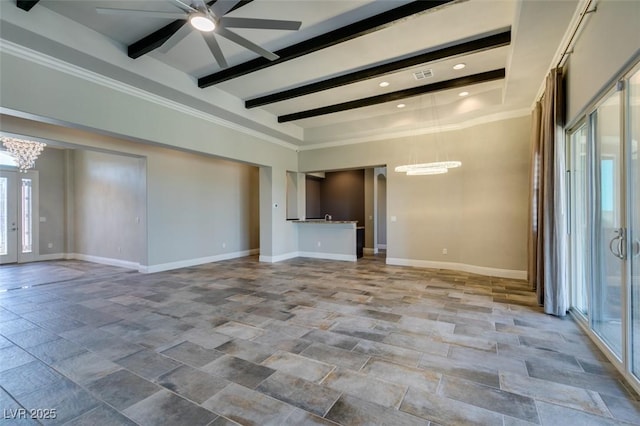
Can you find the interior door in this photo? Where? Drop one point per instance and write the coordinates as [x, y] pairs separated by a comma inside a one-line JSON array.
[[609, 224], [8, 217]]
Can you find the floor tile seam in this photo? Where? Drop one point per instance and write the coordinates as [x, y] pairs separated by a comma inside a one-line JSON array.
[[25, 287], [89, 392], [599, 392], [440, 393], [588, 413], [12, 397], [560, 404], [26, 348]]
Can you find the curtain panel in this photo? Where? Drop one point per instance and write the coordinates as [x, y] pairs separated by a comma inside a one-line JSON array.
[[547, 246]]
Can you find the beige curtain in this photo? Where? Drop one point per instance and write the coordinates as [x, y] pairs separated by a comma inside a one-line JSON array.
[[547, 252]]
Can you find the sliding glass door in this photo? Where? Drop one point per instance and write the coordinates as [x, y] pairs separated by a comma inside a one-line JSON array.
[[579, 200], [604, 240], [633, 120], [609, 229]]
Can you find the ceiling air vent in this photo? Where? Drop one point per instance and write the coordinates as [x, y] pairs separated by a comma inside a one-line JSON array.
[[421, 75]]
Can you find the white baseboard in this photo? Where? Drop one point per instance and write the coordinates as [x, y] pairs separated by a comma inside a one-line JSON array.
[[462, 267], [194, 262], [314, 255], [53, 256], [329, 256], [104, 260], [278, 258]]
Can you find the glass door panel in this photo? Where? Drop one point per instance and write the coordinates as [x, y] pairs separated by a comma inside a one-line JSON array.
[[608, 274], [8, 217], [579, 202], [634, 220]]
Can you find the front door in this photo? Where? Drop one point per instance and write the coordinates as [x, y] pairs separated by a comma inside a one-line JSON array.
[[8, 217], [18, 213]]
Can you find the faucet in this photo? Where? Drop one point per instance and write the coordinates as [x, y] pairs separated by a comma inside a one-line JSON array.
[[327, 217]]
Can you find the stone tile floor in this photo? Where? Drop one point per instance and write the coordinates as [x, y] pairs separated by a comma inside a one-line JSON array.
[[298, 342]]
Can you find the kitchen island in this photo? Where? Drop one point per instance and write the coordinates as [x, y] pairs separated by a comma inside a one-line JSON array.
[[328, 239]]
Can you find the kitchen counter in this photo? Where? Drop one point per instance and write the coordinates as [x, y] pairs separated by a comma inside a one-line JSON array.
[[325, 222], [328, 239]]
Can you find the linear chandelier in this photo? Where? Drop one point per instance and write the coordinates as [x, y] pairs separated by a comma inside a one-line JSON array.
[[435, 168], [24, 152]]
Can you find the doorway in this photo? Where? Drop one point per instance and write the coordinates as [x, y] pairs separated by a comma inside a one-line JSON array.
[[18, 216], [382, 209]]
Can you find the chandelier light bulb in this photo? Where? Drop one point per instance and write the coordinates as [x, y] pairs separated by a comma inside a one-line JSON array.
[[429, 171], [202, 22]]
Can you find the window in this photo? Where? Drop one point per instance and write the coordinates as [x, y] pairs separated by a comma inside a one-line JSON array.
[[27, 216]]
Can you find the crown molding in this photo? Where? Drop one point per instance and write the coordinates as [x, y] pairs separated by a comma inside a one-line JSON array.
[[40, 58]]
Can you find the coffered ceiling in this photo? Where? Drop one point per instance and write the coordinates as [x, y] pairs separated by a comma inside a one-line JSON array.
[[326, 86]]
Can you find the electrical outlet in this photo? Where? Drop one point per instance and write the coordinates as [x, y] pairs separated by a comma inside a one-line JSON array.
[[224, 245], [50, 245], [319, 244], [444, 251]]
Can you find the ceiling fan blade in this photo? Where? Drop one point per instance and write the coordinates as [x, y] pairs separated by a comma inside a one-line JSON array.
[[215, 49], [182, 5], [222, 7], [176, 38], [245, 43], [265, 24], [142, 13]]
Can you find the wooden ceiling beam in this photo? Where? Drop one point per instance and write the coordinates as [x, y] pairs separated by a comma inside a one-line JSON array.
[[26, 5], [459, 49], [395, 96], [340, 35]]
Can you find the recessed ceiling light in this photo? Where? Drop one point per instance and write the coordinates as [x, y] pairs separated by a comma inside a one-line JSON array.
[[401, 105], [384, 84], [463, 94], [459, 66], [202, 22]]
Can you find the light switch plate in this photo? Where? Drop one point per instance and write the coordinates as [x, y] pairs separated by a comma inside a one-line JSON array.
[[394, 219]]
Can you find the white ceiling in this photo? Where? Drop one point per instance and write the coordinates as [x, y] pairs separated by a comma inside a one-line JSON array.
[[74, 32]]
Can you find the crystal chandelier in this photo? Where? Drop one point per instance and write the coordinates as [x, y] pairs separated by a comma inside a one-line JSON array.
[[433, 168], [24, 152]]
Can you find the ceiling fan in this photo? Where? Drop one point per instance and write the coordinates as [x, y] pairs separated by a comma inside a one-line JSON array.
[[209, 19]]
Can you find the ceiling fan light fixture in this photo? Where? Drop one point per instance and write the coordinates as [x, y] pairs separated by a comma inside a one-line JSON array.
[[202, 22]]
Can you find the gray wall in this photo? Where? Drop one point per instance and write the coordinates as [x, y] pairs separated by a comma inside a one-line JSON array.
[[51, 170], [342, 195], [477, 212], [609, 40], [109, 193], [313, 199], [203, 205]]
